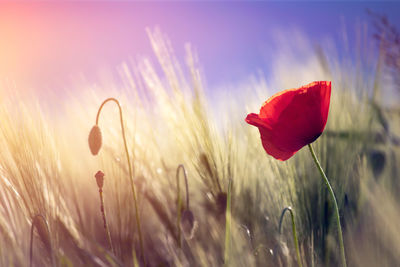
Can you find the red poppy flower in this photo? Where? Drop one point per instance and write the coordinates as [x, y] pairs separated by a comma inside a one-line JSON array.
[[292, 118]]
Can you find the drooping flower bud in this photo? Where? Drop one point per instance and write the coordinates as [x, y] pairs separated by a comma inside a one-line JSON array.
[[99, 179], [188, 224], [95, 140]]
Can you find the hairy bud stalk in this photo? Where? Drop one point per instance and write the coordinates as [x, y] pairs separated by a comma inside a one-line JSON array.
[[100, 181]]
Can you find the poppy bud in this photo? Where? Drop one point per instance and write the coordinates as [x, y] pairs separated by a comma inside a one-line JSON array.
[[188, 224], [99, 179], [95, 140]]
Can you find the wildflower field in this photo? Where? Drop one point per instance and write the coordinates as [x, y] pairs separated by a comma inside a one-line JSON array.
[[156, 171]]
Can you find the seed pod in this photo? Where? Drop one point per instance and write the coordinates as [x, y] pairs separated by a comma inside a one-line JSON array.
[[95, 140], [99, 179], [42, 228], [377, 161], [221, 201], [206, 164], [188, 224]]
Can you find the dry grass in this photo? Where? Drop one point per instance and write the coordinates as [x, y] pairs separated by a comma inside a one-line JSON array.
[[46, 168]]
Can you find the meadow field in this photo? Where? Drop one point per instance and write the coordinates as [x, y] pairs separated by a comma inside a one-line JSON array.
[[235, 191]]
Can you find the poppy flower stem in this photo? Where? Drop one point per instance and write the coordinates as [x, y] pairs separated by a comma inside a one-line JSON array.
[[179, 201], [296, 242], [130, 171], [343, 256]]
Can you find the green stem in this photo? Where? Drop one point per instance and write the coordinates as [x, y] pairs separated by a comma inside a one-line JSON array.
[[342, 253], [103, 213], [296, 242], [130, 171]]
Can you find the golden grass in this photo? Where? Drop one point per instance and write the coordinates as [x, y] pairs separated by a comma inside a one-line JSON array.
[[46, 168]]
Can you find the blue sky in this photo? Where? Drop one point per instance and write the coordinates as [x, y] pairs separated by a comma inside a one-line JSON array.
[[48, 44]]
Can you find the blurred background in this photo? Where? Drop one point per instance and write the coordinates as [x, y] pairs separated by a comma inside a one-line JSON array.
[[47, 46]]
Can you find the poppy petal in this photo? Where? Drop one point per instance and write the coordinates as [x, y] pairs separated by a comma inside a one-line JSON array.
[[292, 118], [255, 120], [269, 146]]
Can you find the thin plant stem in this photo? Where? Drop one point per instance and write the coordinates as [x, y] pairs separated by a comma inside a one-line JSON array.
[[342, 252], [296, 242], [103, 213], [187, 190], [312, 249], [228, 225], [179, 201], [34, 222], [135, 261], [130, 171]]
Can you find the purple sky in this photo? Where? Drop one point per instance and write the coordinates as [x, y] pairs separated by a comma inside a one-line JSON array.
[[46, 45]]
